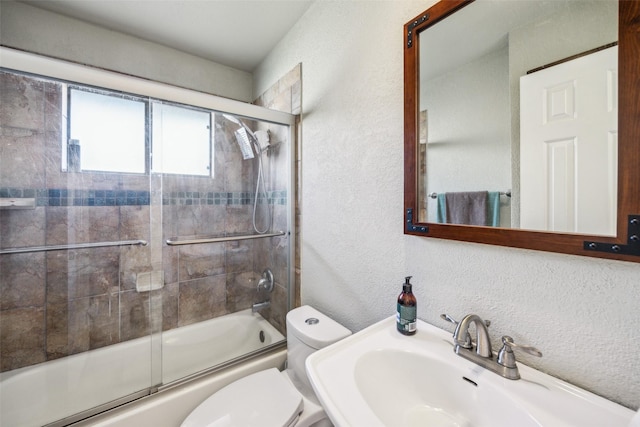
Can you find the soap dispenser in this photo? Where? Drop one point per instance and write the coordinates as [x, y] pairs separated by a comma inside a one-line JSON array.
[[406, 317]]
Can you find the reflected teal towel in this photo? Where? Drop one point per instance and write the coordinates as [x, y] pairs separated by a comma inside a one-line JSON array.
[[442, 209], [493, 208]]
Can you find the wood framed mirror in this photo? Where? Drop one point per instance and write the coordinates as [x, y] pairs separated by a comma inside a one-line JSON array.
[[622, 243]]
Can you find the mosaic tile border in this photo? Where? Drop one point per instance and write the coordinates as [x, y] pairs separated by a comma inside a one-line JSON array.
[[67, 197], [222, 198]]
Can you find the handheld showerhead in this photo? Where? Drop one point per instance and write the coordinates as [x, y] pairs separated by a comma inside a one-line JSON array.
[[245, 137], [242, 137]]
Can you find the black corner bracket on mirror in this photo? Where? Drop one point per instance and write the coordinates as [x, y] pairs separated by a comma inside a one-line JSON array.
[[411, 27], [411, 227], [633, 241]]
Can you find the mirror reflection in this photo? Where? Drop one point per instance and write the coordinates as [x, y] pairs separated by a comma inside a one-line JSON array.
[[518, 116]]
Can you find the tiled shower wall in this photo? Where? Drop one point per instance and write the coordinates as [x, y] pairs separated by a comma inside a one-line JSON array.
[[286, 95], [58, 303]]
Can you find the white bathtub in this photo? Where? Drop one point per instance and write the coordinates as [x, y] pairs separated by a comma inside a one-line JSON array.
[[50, 391]]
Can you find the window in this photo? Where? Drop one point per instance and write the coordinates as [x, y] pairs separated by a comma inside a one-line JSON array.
[[107, 132], [111, 132], [181, 140]]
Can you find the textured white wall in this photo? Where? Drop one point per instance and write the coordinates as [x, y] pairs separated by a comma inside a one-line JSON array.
[[36, 30], [582, 313]]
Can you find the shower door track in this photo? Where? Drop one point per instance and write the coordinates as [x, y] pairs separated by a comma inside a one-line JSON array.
[[72, 246], [176, 241]]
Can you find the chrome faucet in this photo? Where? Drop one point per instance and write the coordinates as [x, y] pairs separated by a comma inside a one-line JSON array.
[[483, 343], [504, 364], [259, 306], [266, 283]]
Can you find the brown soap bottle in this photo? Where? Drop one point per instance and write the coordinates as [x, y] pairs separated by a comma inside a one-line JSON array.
[[406, 317]]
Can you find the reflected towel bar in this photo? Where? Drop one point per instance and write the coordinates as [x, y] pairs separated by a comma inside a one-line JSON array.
[[72, 246], [175, 241], [502, 193]]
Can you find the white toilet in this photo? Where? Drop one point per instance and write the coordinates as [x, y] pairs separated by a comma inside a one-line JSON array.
[[272, 398]]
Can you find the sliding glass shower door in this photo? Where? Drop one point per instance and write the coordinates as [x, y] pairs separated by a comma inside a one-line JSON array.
[[126, 218]]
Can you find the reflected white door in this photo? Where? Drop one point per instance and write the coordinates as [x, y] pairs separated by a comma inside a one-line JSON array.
[[568, 146]]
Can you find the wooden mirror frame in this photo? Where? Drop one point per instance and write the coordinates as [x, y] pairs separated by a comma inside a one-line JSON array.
[[626, 244]]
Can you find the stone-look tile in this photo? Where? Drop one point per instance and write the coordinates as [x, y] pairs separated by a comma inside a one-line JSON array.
[[22, 228], [170, 297], [293, 77], [297, 296], [200, 220], [53, 158], [169, 221], [134, 222], [282, 101], [135, 225], [22, 280], [22, 101], [53, 107], [280, 216], [21, 337], [278, 308], [238, 173], [135, 309], [22, 157], [86, 180], [296, 98], [93, 322], [242, 291], [268, 96], [170, 255], [133, 260], [133, 182], [82, 224], [57, 330], [82, 273], [239, 219], [197, 261], [239, 256], [201, 299]]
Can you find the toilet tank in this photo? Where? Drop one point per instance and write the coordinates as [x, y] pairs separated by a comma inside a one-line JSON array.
[[309, 330]]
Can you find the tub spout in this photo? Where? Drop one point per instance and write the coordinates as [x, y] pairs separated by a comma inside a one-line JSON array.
[[259, 306]]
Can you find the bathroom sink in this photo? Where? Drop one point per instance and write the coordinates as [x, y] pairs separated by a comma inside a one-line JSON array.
[[379, 377], [423, 390]]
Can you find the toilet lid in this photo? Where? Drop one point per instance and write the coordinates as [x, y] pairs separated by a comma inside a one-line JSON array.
[[263, 399]]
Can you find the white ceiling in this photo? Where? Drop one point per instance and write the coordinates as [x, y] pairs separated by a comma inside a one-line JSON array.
[[236, 33]]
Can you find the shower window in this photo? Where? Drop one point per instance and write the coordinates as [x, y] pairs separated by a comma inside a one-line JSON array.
[[181, 140], [109, 132]]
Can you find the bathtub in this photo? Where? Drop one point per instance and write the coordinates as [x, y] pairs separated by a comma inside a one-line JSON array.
[[41, 394]]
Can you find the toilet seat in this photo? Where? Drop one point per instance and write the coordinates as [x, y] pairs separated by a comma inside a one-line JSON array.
[[265, 398]]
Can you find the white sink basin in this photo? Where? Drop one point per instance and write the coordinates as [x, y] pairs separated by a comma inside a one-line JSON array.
[[379, 377]]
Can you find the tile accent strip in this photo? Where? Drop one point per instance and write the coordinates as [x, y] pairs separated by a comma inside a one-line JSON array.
[[68, 197]]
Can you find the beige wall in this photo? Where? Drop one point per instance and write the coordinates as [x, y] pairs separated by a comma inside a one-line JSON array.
[[354, 254]]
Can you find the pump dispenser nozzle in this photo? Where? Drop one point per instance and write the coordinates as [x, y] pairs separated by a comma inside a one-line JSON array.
[[406, 287]]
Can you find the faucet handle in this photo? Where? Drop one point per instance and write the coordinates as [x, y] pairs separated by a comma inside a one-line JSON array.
[[450, 319], [507, 358]]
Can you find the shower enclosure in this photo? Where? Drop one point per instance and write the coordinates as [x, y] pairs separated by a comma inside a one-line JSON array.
[[131, 211]]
